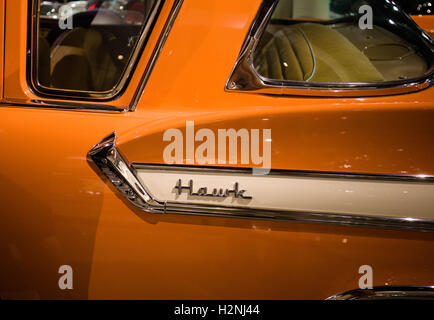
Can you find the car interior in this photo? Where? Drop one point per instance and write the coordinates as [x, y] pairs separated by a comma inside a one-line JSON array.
[[306, 40], [97, 48]]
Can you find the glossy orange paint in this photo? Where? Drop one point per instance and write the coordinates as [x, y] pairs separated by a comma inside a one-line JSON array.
[[57, 210], [2, 42], [425, 22]]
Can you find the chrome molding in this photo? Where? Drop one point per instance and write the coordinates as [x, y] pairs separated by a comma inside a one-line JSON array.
[[245, 78], [161, 41], [63, 105], [387, 293], [312, 174], [123, 176]]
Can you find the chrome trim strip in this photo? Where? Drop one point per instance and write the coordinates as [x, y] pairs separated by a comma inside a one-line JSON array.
[[311, 174], [387, 292], [63, 105], [161, 41], [126, 75], [245, 78], [123, 176]]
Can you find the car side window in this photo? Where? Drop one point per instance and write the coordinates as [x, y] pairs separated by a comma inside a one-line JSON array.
[[86, 47], [337, 41]]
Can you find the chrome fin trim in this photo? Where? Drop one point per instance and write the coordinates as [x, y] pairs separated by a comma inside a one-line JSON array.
[[123, 176], [108, 159]]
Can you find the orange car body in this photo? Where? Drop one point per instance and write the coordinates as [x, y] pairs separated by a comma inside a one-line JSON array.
[[56, 210], [425, 22]]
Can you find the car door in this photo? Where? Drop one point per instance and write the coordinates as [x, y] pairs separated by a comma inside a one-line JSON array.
[[182, 182], [63, 128]]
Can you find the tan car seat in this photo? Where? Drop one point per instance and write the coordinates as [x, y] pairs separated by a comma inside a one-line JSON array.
[[81, 61], [315, 53], [72, 72]]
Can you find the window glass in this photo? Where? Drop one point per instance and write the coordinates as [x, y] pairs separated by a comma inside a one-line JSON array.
[[86, 46], [340, 41]]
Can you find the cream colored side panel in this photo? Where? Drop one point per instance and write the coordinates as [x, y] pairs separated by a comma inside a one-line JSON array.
[[324, 195]]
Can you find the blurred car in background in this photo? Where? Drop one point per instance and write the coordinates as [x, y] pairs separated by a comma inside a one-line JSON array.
[[50, 9], [130, 11], [419, 7], [74, 7]]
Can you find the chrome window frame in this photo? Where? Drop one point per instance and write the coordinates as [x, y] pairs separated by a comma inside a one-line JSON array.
[[77, 103], [245, 78], [156, 53], [31, 69]]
